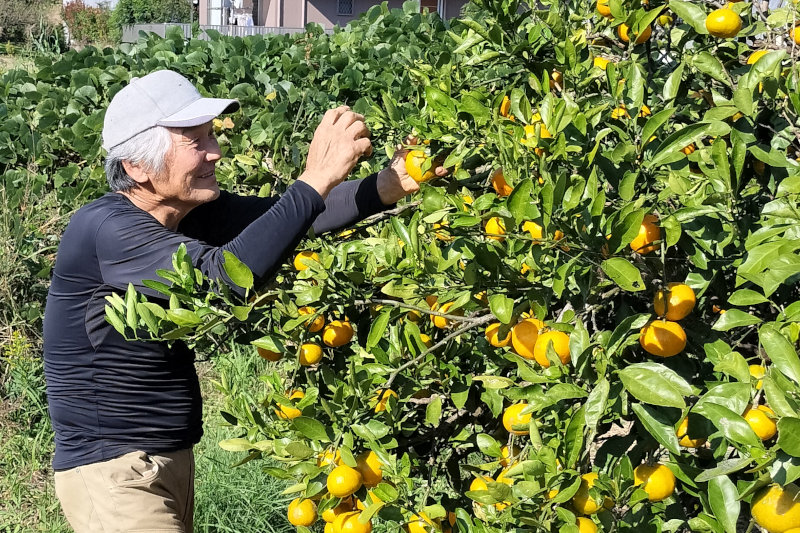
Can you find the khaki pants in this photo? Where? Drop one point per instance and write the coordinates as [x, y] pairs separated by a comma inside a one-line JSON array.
[[134, 493]]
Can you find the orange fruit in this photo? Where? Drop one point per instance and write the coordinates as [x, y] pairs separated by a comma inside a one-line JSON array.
[[794, 35], [344, 481], [758, 372], [556, 80], [657, 480], [723, 23], [683, 435], [507, 454], [302, 260], [623, 33], [480, 483], [350, 523], [370, 468], [499, 184], [648, 234], [560, 341], [380, 404], [345, 506], [269, 355], [600, 62], [585, 525], [440, 321], [524, 336], [512, 418], [534, 229], [662, 338], [310, 354], [337, 333], [583, 502], [761, 422], [414, 161], [329, 457], [758, 54], [289, 412], [426, 340], [316, 324], [603, 9], [689, 149], [675, 302], [493, 337], [664, 21], [420, 523], [495, 227], [505, 106], [302, 512], [776, 508]]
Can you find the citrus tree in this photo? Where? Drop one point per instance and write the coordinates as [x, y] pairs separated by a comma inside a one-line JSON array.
[[590, 324]]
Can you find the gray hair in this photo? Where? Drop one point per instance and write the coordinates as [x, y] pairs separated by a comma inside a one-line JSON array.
[[147, 149]]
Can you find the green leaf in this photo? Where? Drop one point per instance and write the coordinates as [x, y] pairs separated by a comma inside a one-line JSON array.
[[623, 273], [488, 445], [731, 424], [655, 122], [789, 435], [519, 201], [237, 271], [727, 466], [502, 307], [734, 318], [310, 428], [670, 148], [269, 342], [574, 437], [724, 500], [433, 413], [596, 403], [672, 85], [183, 317], [658, 426], [780, 351], [651, 386], [708, 64], [236, 445], [692, 14], [378, 328], [744, 297]]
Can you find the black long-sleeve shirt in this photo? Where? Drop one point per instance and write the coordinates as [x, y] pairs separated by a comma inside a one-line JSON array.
[[108, 396]]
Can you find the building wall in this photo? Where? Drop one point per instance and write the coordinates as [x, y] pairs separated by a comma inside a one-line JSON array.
[[297, 13]]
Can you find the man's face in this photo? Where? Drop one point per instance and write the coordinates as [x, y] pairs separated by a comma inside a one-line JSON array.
[[188, 178]]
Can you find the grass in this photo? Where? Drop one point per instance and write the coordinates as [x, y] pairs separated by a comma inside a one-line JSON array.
[[241, 499]]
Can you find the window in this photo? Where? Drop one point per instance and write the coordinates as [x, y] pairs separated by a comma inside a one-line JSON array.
[[345, 7], [431, 5]]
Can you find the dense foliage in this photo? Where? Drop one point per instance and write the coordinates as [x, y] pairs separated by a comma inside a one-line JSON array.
[[678, 148]]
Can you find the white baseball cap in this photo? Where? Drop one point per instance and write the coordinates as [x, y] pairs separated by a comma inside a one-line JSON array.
[[162, 98]]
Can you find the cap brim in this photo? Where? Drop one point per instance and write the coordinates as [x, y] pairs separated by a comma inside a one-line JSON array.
[[199, 112]]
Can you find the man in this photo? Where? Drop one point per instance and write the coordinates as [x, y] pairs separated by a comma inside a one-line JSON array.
[[126, 414]]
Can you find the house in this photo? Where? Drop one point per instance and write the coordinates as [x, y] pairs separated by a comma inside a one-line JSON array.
[[298, 13]]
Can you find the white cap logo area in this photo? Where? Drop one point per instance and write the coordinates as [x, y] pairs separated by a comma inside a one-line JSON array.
[[162, 98]]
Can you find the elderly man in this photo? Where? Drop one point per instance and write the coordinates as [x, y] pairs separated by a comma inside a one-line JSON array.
[[126, 414]]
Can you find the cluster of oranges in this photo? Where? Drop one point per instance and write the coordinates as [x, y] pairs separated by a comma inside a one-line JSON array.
[[664, 337], [530, 338]]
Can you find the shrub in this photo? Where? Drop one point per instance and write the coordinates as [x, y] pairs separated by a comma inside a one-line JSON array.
[[87, 24]]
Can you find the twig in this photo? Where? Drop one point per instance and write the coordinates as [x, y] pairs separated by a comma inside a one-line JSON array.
[[395, 303], [473, 322]]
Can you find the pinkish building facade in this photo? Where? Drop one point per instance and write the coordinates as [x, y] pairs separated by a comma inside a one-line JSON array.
[[298, 13]]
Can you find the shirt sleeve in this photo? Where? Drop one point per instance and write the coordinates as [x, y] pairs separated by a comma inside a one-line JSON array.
[[223, 219], [131, 246]]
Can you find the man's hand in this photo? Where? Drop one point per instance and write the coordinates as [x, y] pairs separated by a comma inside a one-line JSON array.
[[339, 141], [394, 182]]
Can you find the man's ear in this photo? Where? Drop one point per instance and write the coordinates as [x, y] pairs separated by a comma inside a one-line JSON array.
[[136, 172]]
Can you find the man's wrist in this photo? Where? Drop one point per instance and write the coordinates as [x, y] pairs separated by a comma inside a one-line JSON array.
[[389, 189], [316, 182]]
